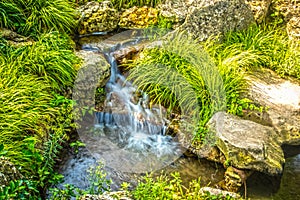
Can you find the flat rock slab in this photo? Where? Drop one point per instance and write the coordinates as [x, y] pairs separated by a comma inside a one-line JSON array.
[[282, 100], [247, 144]]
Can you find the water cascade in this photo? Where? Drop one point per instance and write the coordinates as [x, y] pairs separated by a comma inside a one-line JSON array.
[[128, 135]]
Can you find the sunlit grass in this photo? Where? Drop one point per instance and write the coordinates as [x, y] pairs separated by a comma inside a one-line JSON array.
[[33, 17], [273, 47], [51, 58]]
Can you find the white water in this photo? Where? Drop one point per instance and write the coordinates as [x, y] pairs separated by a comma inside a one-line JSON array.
[[138, 128]]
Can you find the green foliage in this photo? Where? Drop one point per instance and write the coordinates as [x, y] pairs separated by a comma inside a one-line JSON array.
[[43, 16], [76, 145], [50, 58], [11, 16], [97, 179], [165, 22], [19, 189], [82, 2], [124, 4], [34, 118], [272, 46], [165, 188], [32, 17]]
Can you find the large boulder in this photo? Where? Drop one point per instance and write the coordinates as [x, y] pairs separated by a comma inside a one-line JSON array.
[[97, 17], [206, 18], [282, 99], [246, 144]]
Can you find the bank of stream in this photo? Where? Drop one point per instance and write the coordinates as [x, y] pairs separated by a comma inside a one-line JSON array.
[[126, 124]]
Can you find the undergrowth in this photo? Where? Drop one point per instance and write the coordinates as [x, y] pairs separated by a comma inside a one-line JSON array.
[[34, 116], [164, 187]]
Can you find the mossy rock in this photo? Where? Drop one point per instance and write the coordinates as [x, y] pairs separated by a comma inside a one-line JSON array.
[[97, 17], [135, 17], [246, 144]]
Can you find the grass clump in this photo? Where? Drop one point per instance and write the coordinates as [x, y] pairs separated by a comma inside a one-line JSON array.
[[275, 51], [11, 16], [35, 117], [181, 74], [32, 17], [51, 58]]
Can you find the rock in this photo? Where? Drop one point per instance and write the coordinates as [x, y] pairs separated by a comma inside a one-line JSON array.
[[287, 8], [15, 39], [205, 18], [282, 99], [217, 192], [135, 17], [97, 17], [234, 178], [175, 10], [119, 195], [246, 144], [293, 28], [8, 172], [290, 10], [94, 72], [96, 61], [218, 18], [260, 9]]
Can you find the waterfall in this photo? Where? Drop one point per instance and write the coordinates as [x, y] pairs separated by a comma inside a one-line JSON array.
[[139, 128]]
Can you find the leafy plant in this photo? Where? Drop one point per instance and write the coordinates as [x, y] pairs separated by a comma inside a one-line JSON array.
[[98, 181], [164, 187], [19, 189], [76, 145]]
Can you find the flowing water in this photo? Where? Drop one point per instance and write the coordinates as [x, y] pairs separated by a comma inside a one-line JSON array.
[[130, 138]]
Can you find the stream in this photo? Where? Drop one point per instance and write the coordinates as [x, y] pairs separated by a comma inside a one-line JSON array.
[[130, 138]]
